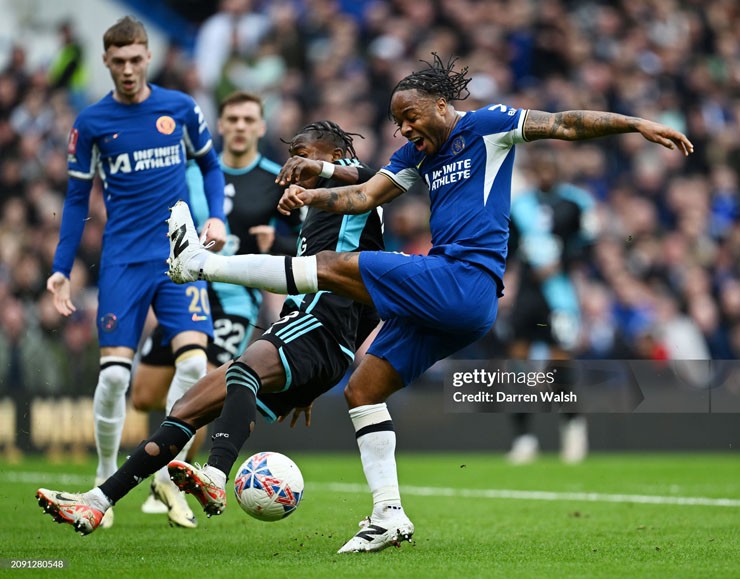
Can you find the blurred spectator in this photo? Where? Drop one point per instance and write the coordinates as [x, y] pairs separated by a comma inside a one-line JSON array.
[[234, 29], [21, 348], [67, 71]]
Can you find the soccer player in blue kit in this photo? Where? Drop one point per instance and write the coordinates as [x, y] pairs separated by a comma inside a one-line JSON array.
[[432, 305], [138, 139]]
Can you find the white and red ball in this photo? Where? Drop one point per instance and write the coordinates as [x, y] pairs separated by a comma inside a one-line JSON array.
[[268, 486]]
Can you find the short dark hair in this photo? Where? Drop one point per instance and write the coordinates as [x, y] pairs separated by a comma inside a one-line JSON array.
[[126, 31], [438, 80], [239, 97], [328, 131]]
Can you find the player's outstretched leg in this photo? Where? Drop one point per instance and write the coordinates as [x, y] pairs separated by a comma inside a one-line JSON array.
[[379, 531], [71, 508], [199, 483], [187, 253]]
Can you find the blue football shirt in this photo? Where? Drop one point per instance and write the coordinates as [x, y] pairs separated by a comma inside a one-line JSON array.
[[469, 182], [140, 152]]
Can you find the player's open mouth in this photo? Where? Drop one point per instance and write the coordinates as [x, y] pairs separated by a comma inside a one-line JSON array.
[[418, 143]]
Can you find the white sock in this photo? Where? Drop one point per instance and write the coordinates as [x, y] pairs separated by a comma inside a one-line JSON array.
[[377, 443], [262, 271], [190, 367], [109, 410], [97, 499]]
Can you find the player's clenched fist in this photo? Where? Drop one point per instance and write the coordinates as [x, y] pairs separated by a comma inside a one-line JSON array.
[[294, 197], [297, 169]]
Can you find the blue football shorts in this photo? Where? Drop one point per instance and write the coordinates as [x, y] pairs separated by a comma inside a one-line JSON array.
[[125, 293], [432, 306]]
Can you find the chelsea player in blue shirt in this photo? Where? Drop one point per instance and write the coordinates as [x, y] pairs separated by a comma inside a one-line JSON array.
[[432, 305], [137, 139]]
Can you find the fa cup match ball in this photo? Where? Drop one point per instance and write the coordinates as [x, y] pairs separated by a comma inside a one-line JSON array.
[[268, 486]]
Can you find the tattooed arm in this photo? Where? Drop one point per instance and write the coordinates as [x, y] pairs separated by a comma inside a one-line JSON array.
[[580, 125], [353, 199]]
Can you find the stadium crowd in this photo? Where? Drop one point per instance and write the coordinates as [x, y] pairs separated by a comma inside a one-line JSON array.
[[663, 279]]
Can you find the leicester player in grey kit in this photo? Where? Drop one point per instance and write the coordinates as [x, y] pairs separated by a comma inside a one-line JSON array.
[[300, 357]]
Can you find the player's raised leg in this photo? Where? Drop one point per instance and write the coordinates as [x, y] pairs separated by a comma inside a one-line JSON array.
[[189, 261]]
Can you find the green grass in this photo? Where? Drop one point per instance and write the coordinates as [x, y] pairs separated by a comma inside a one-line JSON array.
[[457, 535]]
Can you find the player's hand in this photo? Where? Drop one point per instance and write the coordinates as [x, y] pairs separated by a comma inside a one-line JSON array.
[[214, 231], [666, 136], [265, 236], [298, 169], [305, 410], [59, 286], [294, 197]]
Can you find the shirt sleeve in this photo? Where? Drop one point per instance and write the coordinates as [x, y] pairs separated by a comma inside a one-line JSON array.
[[213, 184], [403, 168], [74, 215], [503, 123]]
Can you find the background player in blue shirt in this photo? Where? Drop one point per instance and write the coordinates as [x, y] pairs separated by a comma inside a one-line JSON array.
[[137, 139]]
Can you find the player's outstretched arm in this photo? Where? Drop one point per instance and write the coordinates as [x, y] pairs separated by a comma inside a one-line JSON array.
[[352, 200], [580, 125], [297, 169]]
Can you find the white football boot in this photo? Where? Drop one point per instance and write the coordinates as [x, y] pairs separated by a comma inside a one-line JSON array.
[[195, 481], [574, 440], [178, 511], [152, 505], [187, 253], [524, 449], [70, 508], [380, 531]]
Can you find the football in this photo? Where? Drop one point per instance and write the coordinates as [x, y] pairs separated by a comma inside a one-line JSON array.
[[268, 486]]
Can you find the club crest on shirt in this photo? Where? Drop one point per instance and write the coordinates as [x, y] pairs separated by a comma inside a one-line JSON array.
[[458, 145], [165, 125], [108, 322]]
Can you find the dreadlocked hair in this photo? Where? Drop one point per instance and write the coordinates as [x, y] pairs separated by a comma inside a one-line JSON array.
[[438, 80], [328, 131]]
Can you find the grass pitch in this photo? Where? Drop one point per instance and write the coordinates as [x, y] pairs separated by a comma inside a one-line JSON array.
[[475, 516]]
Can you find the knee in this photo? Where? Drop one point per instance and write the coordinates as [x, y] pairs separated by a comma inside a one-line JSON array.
[[356, 396], [192, 367], [114, 378], [325, 261]]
